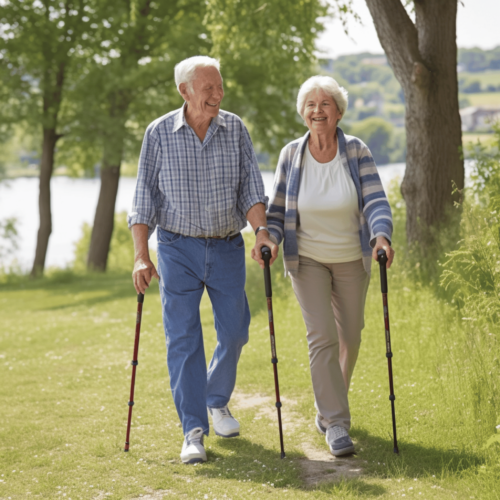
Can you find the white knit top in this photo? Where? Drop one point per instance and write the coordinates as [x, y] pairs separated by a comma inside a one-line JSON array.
[[328, 210]]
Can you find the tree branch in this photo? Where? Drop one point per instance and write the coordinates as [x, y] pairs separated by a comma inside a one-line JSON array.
[[399, 38]]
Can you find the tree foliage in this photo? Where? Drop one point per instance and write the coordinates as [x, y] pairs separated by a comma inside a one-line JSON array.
[[376, 133], [266, 51], [476, 59]]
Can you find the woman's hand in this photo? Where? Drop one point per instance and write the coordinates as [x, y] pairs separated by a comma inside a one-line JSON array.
[[383, 244]]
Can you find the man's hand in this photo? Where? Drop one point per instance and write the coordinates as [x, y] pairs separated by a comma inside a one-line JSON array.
[[143, 273], [262, 240], [382, 243], [257, 217], [144, 269]]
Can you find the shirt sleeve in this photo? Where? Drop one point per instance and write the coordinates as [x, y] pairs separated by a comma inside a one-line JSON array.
[[251, 190], [376, 208], [277, 201], [145, 202]]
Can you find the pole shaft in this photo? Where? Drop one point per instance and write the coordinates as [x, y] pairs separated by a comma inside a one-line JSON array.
[[266, 255], [382, 260], [388, 347], [134, 367]]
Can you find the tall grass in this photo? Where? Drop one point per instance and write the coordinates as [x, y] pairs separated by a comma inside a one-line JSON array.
[[471, 276]]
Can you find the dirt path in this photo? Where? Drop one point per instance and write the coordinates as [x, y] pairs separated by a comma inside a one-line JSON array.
[[319, 465]]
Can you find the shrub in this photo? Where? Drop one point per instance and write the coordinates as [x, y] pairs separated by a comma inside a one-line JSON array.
[[376, 133], [121, 253], [9, 241]]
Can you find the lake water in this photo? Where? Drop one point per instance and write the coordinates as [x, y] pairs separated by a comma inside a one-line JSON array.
[[74, 202]]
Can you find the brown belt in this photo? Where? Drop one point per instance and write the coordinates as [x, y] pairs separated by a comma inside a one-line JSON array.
[[229, 238]]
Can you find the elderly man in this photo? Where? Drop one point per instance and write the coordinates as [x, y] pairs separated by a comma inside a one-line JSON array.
[[198, 183]]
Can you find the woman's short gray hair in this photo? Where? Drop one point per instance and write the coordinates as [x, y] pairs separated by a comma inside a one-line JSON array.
[[328, 85], [184, 71]]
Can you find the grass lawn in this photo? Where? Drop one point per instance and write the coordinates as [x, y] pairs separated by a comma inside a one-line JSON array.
[[483, 98], [485, 139], [65, 349], [490, 77]]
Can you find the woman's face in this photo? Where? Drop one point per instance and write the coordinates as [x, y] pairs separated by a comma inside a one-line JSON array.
[[321, 113]]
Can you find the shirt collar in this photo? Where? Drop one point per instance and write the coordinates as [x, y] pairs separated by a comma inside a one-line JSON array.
[[180, 119]]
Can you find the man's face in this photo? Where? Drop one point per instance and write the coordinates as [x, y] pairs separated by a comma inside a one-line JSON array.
[[205, 98]]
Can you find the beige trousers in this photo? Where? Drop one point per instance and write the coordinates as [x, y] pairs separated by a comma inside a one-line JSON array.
[[332, 299]]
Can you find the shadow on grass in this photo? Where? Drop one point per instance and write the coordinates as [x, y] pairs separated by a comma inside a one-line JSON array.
[[413, 460], [263, 467]]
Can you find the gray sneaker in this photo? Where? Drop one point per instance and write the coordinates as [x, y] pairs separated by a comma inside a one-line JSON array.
[[321, 428], [339, 441]]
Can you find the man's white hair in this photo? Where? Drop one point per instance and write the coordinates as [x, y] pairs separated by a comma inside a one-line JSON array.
[[184, 71], [328, 85]]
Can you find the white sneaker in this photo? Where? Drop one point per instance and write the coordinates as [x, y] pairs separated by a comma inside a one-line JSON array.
[[225, 424], [193, 450]]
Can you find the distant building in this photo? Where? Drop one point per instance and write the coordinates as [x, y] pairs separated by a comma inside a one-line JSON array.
[[375, 61], [479, 117]]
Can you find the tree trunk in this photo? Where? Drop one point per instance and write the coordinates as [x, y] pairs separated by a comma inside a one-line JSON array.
[[105, 211], [46, 166], [423, 56]]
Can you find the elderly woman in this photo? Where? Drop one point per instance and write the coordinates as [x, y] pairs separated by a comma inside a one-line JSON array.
[[330, 210]]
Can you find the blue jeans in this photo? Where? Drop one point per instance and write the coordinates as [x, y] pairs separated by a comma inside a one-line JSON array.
[[186, 266]]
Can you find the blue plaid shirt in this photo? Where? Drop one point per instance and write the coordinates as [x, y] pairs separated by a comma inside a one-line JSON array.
[[196, 188]]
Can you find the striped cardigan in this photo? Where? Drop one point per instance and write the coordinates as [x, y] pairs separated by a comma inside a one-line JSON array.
[[375, 213]]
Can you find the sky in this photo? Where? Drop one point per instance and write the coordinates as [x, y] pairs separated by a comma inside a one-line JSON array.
[[477, 26]]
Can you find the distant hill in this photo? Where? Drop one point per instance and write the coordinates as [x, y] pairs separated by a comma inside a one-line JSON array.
[[376, 100], [475, 59]]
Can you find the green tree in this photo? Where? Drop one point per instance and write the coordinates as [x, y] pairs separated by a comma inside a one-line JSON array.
[[376, 133], [129, 78], [36, 46], [266, 51]]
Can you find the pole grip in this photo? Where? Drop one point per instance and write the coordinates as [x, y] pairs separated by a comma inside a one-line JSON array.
[[266, 256], [382, 260], [140, 298]]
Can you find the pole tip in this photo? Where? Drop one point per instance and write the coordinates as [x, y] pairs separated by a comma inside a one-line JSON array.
[[283, 455], [396, 450]]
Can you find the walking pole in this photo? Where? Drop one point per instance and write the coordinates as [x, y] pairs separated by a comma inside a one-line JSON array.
[[140, 300], [382, 260], [266, 255]]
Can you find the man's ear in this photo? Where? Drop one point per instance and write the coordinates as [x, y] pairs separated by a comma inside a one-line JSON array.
[[183, 91]]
